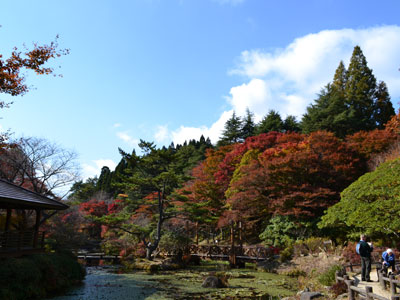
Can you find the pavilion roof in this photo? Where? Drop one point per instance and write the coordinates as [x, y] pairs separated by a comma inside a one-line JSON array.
[[16, 197]]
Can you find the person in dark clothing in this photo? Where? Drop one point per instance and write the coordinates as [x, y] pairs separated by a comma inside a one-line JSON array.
[[365, 249]]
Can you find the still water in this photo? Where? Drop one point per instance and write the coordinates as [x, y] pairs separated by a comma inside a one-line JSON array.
[[102, 283]]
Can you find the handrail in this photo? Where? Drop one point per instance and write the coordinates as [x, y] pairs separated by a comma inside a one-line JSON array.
[[368, 293], [393, 283], [16, 240]]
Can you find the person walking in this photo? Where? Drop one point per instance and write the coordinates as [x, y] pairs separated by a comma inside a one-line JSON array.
[[388, 260], [364, 249]]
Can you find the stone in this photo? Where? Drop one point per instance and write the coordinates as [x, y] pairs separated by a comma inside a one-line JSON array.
[[213, 282], [269, 266], [310, 295]]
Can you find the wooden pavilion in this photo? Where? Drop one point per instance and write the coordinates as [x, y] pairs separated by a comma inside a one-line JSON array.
[[25, 240]]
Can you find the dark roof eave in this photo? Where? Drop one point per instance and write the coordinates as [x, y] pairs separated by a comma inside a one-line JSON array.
[[23, 204]]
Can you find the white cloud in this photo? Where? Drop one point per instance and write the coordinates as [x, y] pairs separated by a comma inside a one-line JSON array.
[[295, 75], [184, 133], [252, 95], [162, 134], [123, 135], [117, 125], [93, 169], [289, 79]]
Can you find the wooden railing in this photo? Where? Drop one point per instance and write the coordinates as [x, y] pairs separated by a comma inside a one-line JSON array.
[[367, 293], [18, 240], [253, 253], [388, 282], [353, 291]]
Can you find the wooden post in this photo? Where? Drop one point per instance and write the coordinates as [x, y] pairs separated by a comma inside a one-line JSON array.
[[197, 233], [240, 234], [8, 220], [37, 224], [392, 285], [395, 298], [368, 290], [349, 283], [381, 280], [42, 241], [232, 259], [7, 227]]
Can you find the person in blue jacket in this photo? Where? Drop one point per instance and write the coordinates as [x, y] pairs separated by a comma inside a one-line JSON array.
[[388, 260], [364, 249]]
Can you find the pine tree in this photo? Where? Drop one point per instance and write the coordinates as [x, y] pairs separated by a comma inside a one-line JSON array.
[[291, 124], [271, 122], [232, 132], [351, 103], [383, 107], [248, 127], [104, 183]]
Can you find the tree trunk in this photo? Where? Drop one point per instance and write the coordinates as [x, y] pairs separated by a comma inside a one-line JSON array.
[[151, 247]]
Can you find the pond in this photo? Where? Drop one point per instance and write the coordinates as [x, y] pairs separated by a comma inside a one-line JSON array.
[[102, 283], [248, 283]]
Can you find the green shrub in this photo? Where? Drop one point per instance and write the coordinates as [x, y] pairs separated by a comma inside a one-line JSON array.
[[286, 254], [308, 246], [38, 276], [328, 277], [172, 242], [280, 232], [295, 273]]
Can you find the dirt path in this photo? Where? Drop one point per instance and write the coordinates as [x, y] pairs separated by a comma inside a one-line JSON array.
[[377, 289]]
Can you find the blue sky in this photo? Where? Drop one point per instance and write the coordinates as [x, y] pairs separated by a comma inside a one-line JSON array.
[[170, 70]]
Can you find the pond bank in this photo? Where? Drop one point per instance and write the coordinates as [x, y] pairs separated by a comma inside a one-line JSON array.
[[182, 284]]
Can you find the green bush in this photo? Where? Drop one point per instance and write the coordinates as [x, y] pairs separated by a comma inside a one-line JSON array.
[[308, 246], [172, 242], [295, 273], [328, 277], [38, 276], [286, 254], [280, 232]]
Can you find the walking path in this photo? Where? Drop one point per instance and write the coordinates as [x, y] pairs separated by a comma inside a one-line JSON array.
[[377, 289]]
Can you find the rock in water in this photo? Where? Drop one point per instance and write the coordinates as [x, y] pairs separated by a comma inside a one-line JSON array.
[[310, 295], [213, 282]]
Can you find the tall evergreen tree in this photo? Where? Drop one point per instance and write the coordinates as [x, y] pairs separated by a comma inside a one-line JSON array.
[[352, 102], [104, 182], [291, 124], [248, 125], [271, 122], [232, 132], [383, 107]]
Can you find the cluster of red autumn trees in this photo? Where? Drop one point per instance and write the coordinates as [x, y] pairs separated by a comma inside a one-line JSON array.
[[285, 174]]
